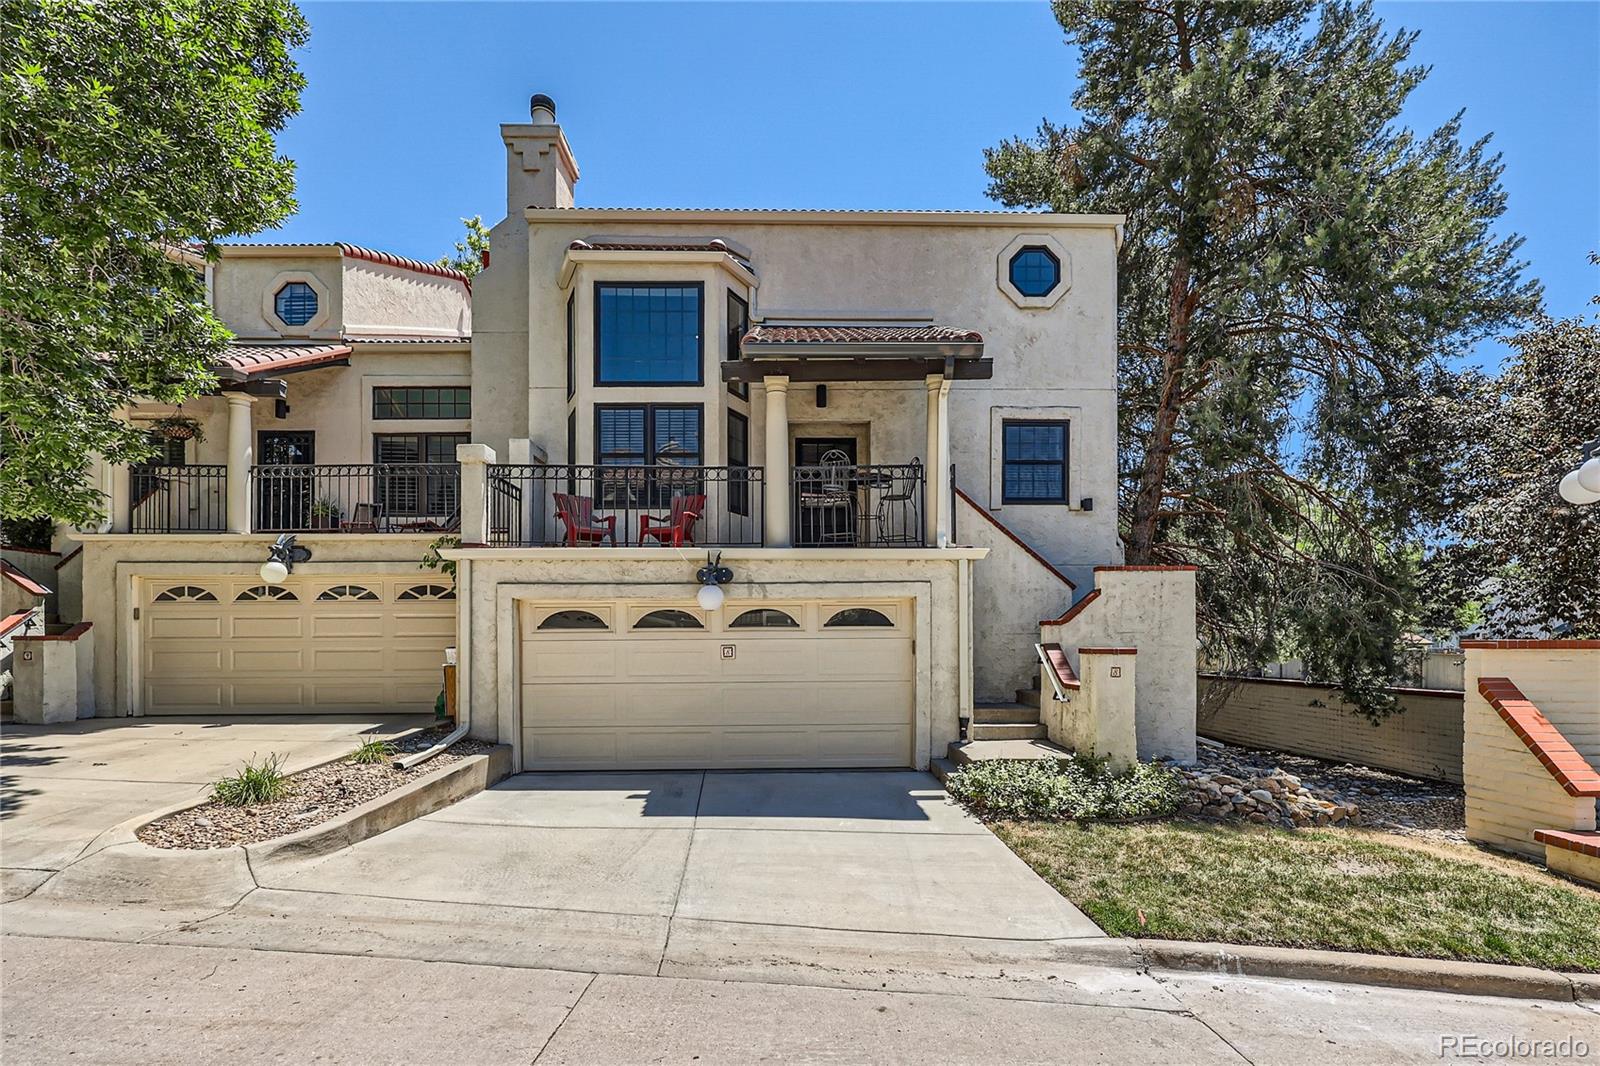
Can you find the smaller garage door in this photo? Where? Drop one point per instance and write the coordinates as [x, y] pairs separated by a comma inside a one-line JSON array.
[[627, 685], [330, 645]]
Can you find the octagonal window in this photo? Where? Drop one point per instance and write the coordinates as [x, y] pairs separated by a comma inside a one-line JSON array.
[[1035, 271], [296, 303]]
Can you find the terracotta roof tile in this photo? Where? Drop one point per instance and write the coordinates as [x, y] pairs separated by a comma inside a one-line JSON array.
[[842, 334], [252, 360]]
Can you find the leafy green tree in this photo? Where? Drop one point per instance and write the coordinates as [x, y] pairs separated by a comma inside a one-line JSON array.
[[470, 250], [129, 132], [1298, 274], [1521, 561]]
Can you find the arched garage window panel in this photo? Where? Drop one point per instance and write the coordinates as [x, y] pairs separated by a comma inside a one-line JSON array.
[[185, 594], [669, 619], [348, 592], [574, 620], [764, 618], [428, 592], [265, 592], [857, 617]]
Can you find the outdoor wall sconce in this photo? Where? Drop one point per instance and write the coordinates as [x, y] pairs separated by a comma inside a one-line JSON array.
[[712, 577], [281, 557]]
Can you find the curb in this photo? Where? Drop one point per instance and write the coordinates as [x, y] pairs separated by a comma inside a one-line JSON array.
[[423, 796], [1385, 971]]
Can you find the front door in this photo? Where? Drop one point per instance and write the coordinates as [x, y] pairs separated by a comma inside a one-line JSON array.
[[824, 500], [283, 494]]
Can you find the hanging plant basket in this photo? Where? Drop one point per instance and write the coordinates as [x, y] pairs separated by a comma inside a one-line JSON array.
[[177, 427]]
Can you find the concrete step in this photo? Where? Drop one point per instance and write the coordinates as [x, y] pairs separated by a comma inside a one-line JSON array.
[[1028, 696], [1006, 713], [942, 768], [963, 752], [1006, 731]]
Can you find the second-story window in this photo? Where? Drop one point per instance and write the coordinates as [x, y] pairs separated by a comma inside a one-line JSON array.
[[648, 334], [572, 345], [421, 401], [738, 323], [1034, 461], [295, 303]]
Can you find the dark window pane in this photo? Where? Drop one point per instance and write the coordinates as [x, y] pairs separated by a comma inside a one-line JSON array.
[[1035, 271], [421, 402], [764, 618], [668, 620], [574, 620], [858, 616], [1034, 460], [296, 303], [647, 334]]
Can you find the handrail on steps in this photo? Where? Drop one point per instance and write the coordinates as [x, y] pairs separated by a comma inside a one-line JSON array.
[[1050, 670]]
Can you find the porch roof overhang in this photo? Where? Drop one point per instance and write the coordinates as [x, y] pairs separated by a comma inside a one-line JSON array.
[[848, 352], [254, 362]]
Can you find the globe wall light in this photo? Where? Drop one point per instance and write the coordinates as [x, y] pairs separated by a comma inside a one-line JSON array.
[[712, 577], [1582, 486], [281, 557]]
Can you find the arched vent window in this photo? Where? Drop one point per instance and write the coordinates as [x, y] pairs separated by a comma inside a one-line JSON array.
[[764, 618], [265, 592], [669, 619], [428, 592], [185, 594], [854, 617], [574, 620], [348, 592]]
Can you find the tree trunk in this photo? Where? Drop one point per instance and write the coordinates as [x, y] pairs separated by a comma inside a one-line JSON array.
[[1158, 453]]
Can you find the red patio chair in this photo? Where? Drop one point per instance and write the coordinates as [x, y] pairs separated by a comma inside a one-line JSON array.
[[577, 515], [677, 529]]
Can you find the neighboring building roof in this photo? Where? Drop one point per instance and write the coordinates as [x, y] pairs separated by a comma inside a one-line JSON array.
[[355, 251], [17, 577], [244, 361], [853, 334]]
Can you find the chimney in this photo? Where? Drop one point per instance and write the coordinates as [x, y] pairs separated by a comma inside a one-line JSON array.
[[540, 170]]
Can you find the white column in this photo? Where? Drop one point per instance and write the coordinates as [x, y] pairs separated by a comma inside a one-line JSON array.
[[936, 496], [776, 488], [474, 460], [113, 481], [241, 456]]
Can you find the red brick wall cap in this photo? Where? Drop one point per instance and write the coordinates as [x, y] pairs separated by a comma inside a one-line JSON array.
[[1564, 763], [72, 634], [1108, 651]]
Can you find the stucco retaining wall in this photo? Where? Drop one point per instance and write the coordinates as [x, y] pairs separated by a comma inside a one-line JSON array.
[[1423, 739]]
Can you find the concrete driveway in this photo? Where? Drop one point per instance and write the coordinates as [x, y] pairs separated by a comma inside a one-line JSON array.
[[641, 872], [62, 786]]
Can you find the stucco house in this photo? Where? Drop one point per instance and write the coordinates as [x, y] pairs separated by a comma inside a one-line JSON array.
[[732, 488]]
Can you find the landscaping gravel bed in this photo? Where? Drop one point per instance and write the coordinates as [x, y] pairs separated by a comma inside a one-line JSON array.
[[1296, 790], [315, 796]]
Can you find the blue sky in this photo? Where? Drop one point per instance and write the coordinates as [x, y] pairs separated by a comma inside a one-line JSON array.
[[839, 105]]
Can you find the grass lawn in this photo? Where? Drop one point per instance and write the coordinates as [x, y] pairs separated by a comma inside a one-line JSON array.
[[1323, 888]]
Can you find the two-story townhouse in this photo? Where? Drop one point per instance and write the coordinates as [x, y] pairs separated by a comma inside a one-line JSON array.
[[734, 488], [340, 405]]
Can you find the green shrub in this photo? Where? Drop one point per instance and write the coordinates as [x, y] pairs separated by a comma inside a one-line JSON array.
[[254, 783], [372, 751], [1079, 788]]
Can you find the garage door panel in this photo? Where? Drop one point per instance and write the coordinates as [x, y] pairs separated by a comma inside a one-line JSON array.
[[666, 747], [571, 660], [340, 626], [293, 655], [671, 699], [662, 660], [573, 705], [257, 660], [426, 626], [183, 626], [788, 658], [182, 660], [257, 626], [184, 697]]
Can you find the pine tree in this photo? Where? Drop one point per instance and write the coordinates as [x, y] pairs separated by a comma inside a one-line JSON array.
[[1299, 272]]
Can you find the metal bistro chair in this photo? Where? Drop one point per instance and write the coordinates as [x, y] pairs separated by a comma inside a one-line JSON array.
[[835, 499], [895, 517]]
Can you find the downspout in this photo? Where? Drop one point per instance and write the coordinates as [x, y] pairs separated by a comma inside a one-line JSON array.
[[463, 670]]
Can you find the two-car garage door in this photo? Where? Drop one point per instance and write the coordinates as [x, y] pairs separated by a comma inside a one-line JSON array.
[[332, 645], [628, 685]]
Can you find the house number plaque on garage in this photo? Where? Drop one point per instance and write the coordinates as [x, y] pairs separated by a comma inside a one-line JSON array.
[[728, 651]]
